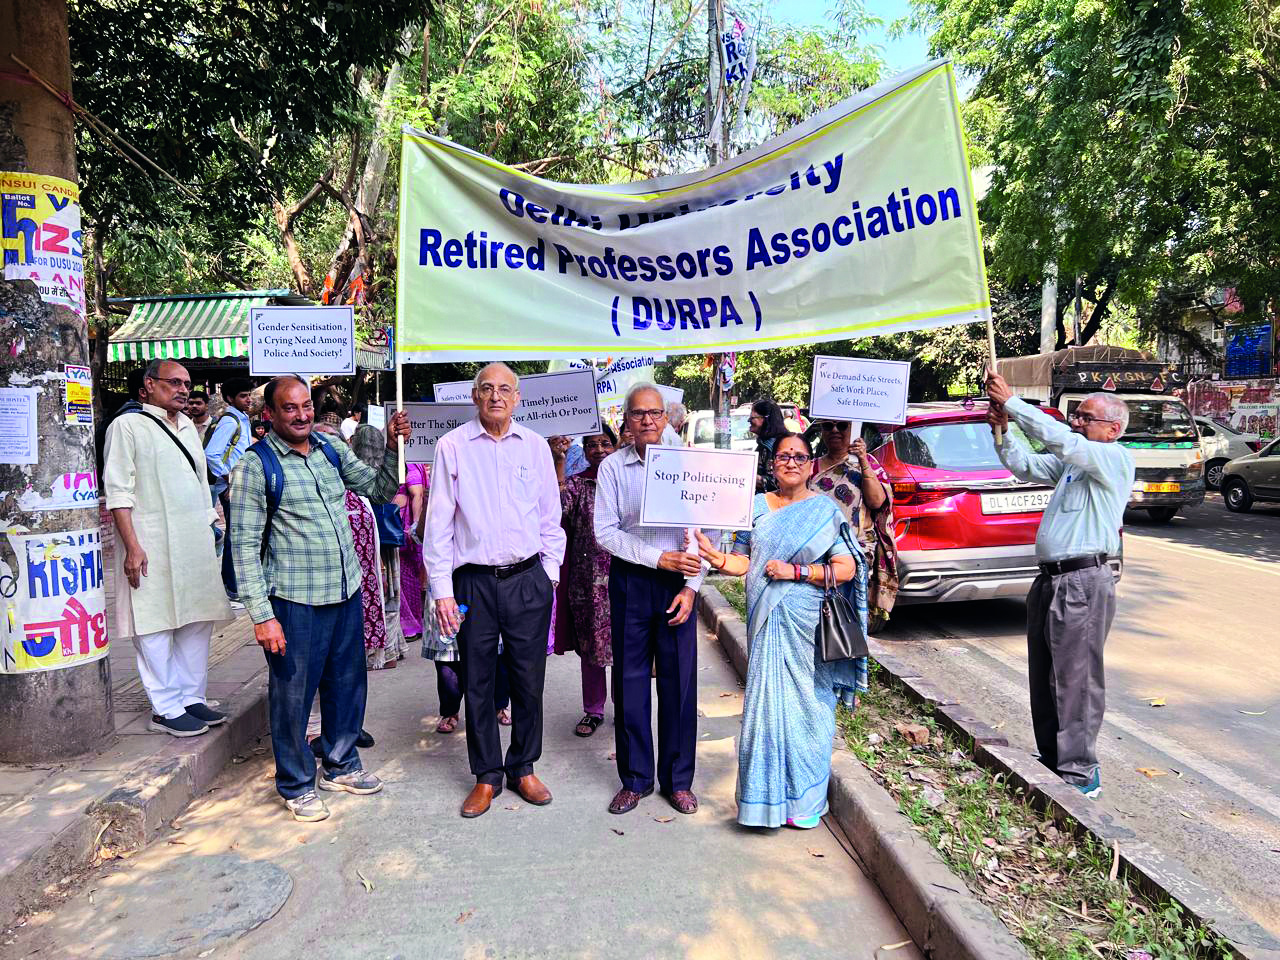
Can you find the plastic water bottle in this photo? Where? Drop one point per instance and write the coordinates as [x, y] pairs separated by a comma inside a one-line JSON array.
[[462, 615]]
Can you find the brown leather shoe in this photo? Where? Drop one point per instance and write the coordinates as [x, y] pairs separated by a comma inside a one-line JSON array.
[[624, 801], [479, 799], [531, 790], [684, 801]]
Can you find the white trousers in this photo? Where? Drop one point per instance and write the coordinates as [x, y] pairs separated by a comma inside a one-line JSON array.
[[174, 666]]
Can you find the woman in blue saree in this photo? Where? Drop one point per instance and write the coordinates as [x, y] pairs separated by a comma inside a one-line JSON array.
[[788, 713]]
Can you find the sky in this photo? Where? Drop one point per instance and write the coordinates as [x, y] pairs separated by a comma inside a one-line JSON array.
[[901, 54]]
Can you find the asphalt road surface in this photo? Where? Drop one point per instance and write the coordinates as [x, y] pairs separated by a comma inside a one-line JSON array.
[[1196, 625]]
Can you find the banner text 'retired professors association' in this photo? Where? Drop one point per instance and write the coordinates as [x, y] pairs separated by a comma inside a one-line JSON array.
[[860, 221]]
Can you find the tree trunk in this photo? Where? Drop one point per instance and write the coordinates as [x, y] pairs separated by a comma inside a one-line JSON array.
[[284, 220], [55, 677]]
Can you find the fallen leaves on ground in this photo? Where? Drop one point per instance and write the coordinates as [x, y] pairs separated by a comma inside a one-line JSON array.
[[368, 884], [663, 819], [815, 853], [464, 916], [914, 733], [621, 833], [895, 946]]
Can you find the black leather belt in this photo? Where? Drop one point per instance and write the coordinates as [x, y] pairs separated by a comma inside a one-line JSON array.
[[1073, 563], [510, 570]]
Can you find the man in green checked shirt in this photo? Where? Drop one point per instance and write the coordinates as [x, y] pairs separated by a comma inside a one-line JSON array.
[[302, 589]]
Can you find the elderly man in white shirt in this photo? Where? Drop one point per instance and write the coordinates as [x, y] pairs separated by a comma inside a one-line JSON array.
[[170, 597], [653, 586]]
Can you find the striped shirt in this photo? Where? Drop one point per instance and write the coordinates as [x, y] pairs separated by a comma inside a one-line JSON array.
[[311, 557], [619, 494]]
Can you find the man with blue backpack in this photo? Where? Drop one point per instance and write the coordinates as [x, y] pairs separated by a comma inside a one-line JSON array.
[[299, 578]]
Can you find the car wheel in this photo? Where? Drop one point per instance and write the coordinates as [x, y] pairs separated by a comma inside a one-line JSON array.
[[1235, 494], [1162, 514], [1213, 474]]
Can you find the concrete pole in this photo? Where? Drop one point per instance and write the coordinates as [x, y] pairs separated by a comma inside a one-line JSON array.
[[55, 677], [1049, 309]]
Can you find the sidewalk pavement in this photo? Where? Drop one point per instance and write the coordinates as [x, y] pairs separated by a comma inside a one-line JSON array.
[[567, 880]]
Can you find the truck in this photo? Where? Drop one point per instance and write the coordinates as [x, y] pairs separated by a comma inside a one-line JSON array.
[[1161, 434]]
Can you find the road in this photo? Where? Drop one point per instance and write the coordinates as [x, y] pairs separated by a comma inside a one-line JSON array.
[[1196, 625]]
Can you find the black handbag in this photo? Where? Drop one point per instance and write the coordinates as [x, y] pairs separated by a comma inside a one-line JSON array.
[[839, 635]]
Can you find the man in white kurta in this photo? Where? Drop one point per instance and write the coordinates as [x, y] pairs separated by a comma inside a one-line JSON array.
[[169, 595]]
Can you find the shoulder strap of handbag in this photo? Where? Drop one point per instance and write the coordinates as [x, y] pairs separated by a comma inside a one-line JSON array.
[[172, 436]]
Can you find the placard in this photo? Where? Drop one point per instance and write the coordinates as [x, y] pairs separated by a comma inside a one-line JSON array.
[[305, 340], [19, 438], [78, 395], [561, 404], [428, 422], [670, 395], [852, 388], [376, 417], [696, 487]]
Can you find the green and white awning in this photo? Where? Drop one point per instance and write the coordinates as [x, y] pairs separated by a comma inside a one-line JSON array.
[[206, 327]]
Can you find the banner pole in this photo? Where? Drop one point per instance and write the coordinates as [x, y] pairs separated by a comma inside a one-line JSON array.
[[400, 402], [991, 352]]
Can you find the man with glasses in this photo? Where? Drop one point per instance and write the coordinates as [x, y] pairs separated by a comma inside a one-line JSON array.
[[494, 544], [653, 587], [1073, 600], [154, 481]]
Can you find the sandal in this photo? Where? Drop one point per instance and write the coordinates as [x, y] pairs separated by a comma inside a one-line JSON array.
[[504, 716], [447, 724], [588, 725]]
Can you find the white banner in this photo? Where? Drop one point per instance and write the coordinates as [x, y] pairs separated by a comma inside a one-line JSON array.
[[561, 404], [858, 222], [428, 423], [851, 388], [303, 340], [696, 487]]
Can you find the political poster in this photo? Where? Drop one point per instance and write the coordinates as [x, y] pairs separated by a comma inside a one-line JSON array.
[[19, 434], [561, 404], [302, 340], [51, 585], [78, 395], [696, 487], [851, 388], [858, 222], [428, 423], [40, 236]]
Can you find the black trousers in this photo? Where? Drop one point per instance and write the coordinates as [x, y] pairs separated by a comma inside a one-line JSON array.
[[518, 608], [642, 639]]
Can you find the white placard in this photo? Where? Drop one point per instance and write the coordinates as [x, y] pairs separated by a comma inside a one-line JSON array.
[[670, 394], [561, 404], [428, 422], [19, 438], [305, 340], [377, 417], [695, 487], [851, 388]]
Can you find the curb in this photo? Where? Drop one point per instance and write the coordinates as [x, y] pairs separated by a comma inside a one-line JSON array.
[[935, 907], [129, 815]]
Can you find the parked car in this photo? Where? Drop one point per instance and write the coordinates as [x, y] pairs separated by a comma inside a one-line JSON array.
[[1252, 478], [1221, 444], [699, 429], [964, 525]]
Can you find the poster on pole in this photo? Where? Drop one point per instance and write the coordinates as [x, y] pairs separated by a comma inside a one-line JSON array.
[[851, 388], [40, 239], [428, 423], [696, 487], [860, 221], [303, 340], [561, 404], [19, 436]]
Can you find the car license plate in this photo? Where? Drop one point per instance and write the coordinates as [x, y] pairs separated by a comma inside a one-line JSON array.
[[1159, 487], [1022, 501]]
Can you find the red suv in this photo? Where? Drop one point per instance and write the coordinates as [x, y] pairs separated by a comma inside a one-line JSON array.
[[965, 526]]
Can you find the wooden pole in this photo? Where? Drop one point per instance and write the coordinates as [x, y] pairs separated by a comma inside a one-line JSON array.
[[400, 401]]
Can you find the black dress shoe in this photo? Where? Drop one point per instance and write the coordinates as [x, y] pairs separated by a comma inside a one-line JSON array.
[[365, 739]]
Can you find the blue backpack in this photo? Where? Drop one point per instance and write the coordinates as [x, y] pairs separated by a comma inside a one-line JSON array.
[[273, 474]]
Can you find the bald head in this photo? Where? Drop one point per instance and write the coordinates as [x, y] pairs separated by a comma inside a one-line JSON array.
[[496, 392]]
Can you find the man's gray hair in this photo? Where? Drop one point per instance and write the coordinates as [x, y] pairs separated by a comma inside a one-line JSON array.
[[1113, 407], [640, 387], [677, 413], [153, 369], [475, 383]]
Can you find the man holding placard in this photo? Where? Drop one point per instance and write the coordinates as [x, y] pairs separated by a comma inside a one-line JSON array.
[[653, 586], [494, 544]]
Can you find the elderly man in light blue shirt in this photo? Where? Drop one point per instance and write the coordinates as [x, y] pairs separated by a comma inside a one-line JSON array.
[[1073, 601]]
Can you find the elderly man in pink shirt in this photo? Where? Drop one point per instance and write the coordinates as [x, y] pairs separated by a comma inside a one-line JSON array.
[[494, 544]]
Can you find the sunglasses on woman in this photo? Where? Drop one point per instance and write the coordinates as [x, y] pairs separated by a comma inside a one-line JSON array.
[[841, 425]]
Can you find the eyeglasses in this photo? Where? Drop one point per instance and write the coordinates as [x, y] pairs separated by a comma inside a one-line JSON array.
[[176, 382], [799, 459], [1087, 419], [642, 415], [841, 425], [501, 389]]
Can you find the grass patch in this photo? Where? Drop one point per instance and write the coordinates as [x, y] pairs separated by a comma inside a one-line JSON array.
[[734, 590], [1055, 892]]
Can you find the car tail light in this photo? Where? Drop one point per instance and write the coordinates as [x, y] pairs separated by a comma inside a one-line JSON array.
[[910, 494]]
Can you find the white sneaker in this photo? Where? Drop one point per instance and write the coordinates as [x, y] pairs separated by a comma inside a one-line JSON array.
[[357, 781], [307, 808]]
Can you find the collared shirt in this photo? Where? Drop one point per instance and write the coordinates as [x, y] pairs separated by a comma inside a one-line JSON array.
[[220, 453], [494, 501], [1092, 482], [310, 557], [619, 494]]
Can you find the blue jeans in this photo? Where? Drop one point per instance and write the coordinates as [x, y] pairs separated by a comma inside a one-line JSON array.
[[324, 651]]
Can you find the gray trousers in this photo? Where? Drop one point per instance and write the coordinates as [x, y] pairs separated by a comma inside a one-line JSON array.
[[1068, 617]]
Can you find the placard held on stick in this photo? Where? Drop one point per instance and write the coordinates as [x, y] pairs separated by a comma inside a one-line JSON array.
[[852, 388], [302, 340], [560, 404]]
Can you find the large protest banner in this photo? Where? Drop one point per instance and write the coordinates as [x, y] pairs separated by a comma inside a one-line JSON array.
[[860, 221]]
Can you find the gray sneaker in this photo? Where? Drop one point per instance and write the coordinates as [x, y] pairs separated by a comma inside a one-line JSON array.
[[307, 808], [357, 781]]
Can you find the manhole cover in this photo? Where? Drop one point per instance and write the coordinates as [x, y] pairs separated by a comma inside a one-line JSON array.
[[186, 905]]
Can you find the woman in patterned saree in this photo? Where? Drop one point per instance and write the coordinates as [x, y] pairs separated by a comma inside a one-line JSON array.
[[788, 711]]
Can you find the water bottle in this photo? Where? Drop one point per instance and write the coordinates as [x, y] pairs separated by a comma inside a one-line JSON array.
[[462, 615]]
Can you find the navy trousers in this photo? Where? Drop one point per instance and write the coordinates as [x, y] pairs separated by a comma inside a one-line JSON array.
[[323, 651], [449, 687], [642, 639]]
